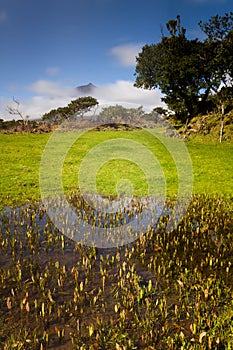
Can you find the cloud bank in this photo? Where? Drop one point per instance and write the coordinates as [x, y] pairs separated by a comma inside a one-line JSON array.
[[51, 89], [49, 95], [123, 92]]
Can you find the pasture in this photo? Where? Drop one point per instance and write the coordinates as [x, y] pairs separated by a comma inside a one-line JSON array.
[[167, 289], [21, 155]]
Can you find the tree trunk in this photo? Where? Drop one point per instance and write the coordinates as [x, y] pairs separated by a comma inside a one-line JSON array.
[[186, 127], [221, 130], [222, 123]]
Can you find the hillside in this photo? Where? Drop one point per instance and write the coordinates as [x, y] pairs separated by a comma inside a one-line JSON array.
[[212, 127]]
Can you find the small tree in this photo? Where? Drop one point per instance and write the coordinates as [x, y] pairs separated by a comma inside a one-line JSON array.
[[75, 109], [15, 111], [81, 106]]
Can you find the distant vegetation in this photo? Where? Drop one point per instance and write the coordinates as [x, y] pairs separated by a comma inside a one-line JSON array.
[[212, 126], [33, 126]]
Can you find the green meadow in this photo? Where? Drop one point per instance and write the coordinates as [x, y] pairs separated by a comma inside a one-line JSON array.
[[21, 154], [168, 288]]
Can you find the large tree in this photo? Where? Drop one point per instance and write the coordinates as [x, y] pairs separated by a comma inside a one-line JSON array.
[[219, 32], [75, 109], [186, 71]]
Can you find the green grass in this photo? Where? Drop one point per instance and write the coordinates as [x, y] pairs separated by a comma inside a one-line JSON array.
[[212, 165], [20, 160], [21, 155], [166, 290]]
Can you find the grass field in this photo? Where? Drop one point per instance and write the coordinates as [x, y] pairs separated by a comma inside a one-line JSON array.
[[167, 289], [21, 155]]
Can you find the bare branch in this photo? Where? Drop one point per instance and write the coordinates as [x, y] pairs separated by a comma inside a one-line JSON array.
[[16, 112]]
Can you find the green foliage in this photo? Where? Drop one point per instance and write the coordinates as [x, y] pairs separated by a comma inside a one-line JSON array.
[[187, 71], [218, 27], [207, 127], [160, 110], [223, 100], [130, 118], [76, 108], [118, 113], [174, 28], [219, 31], [82, 105]]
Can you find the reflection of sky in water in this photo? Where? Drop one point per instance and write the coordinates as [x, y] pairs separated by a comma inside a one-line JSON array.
[[112, 224], [21, 219], [104, 228]]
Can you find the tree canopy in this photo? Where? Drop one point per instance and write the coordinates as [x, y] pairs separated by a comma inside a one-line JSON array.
[[75, 109], [118, 113], [188, 72]]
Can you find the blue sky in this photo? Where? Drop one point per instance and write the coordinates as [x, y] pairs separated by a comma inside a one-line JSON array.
[[49, 47]]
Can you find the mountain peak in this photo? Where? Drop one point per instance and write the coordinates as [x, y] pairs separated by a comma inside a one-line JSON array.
[[86, 89]]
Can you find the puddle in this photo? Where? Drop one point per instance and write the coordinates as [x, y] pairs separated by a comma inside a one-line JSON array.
[[83, 223]]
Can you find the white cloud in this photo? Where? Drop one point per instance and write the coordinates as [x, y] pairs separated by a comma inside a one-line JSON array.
[[50, 89], [3, 16], [49, 95], [126, 54], [124, 93], [52, 70]]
